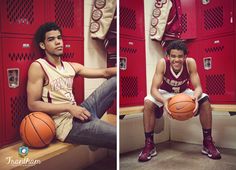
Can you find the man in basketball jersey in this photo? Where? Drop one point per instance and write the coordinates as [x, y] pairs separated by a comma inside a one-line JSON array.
[[172, 76], [49, 90]]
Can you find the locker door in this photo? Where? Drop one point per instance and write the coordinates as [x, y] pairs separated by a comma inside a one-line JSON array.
[[132, 72], [74, 51], [215, 17], [216, 67], [2, 125], [21, 16], [69, 15], [188, 19], [132, 18], [18, 54]]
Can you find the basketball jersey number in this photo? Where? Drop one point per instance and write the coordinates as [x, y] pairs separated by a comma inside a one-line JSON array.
[[176, 89]]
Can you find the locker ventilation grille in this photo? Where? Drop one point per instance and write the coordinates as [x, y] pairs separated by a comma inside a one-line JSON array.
[[64, 13], [184, 23], [68, 55], [213, 18], [215, 84], [128, 50], [20, 11], [214, 49], [22, 56], [127, 18], [19, 110], [129, 86]]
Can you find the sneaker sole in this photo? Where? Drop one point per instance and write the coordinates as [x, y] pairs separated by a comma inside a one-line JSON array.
[[153, 153], [209, 155]]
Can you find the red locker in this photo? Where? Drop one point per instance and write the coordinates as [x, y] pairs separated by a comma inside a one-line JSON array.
[[132, 72], [188, 19], [18, 54], [2, 124], [21, 16], [132, 18], [69, 15], [216, 67], [215, 17], [74, 51]]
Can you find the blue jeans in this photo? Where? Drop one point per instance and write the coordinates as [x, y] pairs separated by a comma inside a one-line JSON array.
[[95, 131]]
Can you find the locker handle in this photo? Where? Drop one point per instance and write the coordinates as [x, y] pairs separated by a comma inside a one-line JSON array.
[[67, 45], [123, 63], [26, 45]]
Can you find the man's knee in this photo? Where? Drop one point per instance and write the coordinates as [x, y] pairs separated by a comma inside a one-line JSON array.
[[204, 107], [149, 106], [112, 83]]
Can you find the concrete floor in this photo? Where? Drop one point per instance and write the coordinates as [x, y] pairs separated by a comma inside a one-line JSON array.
[[108, 163], [179, 156]]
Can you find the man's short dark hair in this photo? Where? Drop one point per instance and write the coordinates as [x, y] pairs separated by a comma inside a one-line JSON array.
[[41, 32], [177, 45]]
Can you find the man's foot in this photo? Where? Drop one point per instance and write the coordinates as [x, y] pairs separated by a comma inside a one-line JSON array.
[[148, 151], [209, 149]]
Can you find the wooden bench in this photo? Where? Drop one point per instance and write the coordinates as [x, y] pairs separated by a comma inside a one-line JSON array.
[[215, 107], [54, 149]]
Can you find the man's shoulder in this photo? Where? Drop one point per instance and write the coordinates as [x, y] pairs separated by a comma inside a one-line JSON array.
[[190, 60]]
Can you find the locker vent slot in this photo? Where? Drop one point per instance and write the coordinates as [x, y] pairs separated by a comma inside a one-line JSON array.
[[68, 55], [215, 84], [20, 11], [184, 23], [213, 18], [128, 50], [129, 86], [127, 18], [19, 110], [22, 56], [64, 13], [214, 49]]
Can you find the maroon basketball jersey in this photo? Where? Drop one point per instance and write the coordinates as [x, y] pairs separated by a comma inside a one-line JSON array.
[[175, 83]]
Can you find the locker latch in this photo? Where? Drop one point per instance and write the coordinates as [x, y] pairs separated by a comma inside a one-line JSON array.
[[207, 61], [123, 63], [13, 75]]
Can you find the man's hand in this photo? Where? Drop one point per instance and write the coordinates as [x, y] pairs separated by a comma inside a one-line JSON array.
[[196, 105], [166, 107], [80, 112]]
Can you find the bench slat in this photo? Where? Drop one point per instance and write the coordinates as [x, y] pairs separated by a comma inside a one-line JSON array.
[[215, 107]]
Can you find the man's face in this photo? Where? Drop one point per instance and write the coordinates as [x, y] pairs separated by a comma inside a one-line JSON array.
[[176, 58], [53, 43]]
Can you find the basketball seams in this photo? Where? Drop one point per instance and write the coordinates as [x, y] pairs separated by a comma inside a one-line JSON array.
[[180, 102], [45, 123], [36, 130], [27, 140]]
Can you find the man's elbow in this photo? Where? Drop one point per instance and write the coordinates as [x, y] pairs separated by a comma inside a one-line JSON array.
[[31, 106]]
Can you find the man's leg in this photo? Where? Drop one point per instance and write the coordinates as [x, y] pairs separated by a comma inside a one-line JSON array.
[[149, 119], [95, 132], [102, 98], [206, 121]]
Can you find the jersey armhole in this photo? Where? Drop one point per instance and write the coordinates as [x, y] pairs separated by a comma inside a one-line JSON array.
[[73, 68], [46, 79]]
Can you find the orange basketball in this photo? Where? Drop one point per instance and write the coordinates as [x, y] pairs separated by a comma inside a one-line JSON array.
[[37, 130], [181, 106]]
